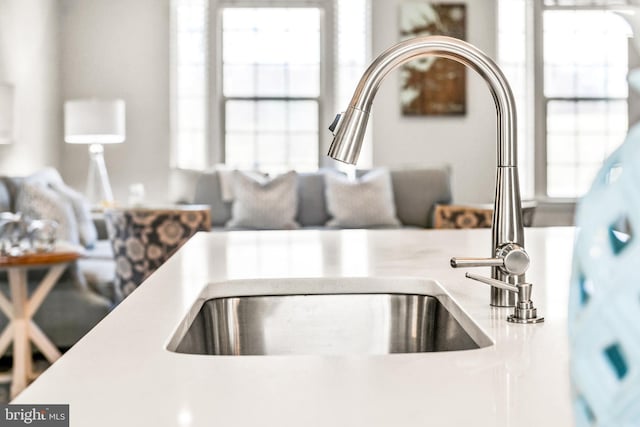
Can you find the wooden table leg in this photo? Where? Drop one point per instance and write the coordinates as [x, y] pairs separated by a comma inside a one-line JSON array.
[[21, 353], [38, 337], [21, 328], [41, 341]]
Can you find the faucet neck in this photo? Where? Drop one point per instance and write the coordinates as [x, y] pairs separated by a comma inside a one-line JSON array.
[[457, 50]]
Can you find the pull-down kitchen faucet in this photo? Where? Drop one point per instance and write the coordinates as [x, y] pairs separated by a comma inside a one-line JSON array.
[[509, 260]]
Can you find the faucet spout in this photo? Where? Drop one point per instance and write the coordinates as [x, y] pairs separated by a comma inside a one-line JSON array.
[[507, 227], [349, 135]]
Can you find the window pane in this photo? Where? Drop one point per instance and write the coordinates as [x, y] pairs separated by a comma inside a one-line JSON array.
[[188, 152], [191, 48], [272, 55], [304, 80], [303, 148], [238, 47], [561, 117], [561, 181], [239, 80], [562, 148], [271, 36], [272, 136], [593, 149], [240, 150], [272, 150], [189, 84], [580, 136], [238, 19], [303, 116], [191, 113], [585, 53], [191, 80], [240, 116], [271, 116], [272, 80]]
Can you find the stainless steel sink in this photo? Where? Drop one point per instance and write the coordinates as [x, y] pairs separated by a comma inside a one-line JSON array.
[[348, 322]]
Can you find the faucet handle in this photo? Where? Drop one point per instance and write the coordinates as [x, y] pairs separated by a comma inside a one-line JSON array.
[[524, 311], [511, 258], [476, 262], [334, 124], [494, 282]]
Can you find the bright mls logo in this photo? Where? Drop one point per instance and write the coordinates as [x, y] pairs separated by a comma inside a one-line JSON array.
[[35, 415]]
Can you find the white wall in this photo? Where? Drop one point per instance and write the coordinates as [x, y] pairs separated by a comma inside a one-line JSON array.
[[467, 143], [29, 60], [120, 49]]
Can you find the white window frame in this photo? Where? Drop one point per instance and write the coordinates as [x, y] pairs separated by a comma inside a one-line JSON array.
[[175, 126], [325, 100], [213, 151], [325, 97], [540, 101]]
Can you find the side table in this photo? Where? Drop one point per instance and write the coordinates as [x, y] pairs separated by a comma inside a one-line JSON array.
[[20, 310], [143, 238]]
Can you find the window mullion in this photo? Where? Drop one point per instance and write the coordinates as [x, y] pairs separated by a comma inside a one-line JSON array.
[[540, 106]]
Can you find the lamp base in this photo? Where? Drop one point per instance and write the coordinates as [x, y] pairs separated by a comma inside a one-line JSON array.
[[98, 188]]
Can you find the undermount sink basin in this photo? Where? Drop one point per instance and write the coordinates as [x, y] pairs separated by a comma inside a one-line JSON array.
[[327, 316]]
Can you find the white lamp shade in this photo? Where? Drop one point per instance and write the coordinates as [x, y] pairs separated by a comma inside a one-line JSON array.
[[94, 121], [6, 113]]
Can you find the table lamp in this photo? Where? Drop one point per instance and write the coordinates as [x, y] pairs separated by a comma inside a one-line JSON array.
[[6, 113], [95, 122]]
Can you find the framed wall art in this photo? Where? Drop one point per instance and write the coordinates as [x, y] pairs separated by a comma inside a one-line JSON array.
[[433, 86]]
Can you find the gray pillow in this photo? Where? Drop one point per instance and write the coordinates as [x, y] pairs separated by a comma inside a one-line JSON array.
[[37, 201], [263, 203], [364, 202]]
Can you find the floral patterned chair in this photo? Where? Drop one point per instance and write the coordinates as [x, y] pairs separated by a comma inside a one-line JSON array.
[[144, 238]]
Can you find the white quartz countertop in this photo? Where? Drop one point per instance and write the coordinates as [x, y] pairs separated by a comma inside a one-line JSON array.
[[122, 374]]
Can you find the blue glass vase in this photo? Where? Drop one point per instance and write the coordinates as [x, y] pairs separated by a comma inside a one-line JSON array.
[[604, 304]]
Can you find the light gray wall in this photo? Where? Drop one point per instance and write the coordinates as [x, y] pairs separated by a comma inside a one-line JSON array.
[[120, 49], [29, 60], [467, 143]]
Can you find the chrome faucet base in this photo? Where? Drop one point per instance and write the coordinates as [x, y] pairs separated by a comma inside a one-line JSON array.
[[502, 298], [514, 319]]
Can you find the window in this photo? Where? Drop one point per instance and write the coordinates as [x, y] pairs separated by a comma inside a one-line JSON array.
[[254, 84], [580, 105], [271, 87], [189, 89], [585, 94]]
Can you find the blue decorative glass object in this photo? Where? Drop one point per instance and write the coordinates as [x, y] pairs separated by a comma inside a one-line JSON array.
[[604, 307]]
